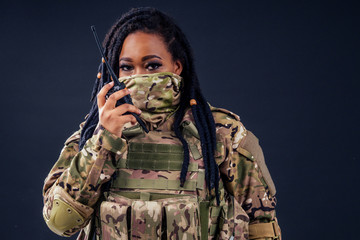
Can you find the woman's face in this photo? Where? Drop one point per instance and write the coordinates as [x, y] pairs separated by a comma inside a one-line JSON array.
[[144, 53]]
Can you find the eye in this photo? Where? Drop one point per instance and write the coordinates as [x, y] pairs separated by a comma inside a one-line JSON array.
[[153, 66], [125, 67]]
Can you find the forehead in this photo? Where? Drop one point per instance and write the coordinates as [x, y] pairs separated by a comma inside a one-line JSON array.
[[140, 44]]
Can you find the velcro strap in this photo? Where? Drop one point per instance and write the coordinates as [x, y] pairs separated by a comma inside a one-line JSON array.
[[264, 230], [195, 152], [151, 156], [123, 181], [152, 147], [245, 153], [160, 184], [204, 219], [215, 211], [149, 196], [200, 182], [133, 131], [157, 165], [190, 128]]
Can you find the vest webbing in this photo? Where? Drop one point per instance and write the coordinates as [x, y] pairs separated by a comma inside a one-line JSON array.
[[167, 166], [168, 157], [150, 156], [147, 196], [204, 219], [122, 181]]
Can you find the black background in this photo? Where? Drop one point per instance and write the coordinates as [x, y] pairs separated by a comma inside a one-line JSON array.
[[290, 70]]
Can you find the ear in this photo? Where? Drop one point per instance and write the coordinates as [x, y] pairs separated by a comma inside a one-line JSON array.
[[178, 67]]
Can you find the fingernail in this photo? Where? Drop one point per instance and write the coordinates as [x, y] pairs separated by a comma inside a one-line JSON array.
[[139, 111]]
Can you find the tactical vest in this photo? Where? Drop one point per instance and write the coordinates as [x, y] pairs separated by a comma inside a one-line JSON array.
[[145, 200]]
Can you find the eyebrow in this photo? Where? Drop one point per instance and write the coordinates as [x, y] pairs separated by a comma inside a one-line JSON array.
[[142, 59]]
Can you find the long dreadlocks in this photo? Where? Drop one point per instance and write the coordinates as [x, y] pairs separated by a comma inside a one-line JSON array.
[[150, 20]]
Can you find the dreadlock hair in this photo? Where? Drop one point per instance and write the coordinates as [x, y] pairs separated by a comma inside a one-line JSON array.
[[150, 20]]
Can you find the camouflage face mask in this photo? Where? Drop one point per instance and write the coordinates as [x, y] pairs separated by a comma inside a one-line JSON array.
[[157, 94]]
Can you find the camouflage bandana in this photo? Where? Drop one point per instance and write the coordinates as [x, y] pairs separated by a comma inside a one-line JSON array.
[[157, 95]]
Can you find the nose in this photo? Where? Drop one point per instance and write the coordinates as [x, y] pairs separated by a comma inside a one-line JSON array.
[[139, 70]]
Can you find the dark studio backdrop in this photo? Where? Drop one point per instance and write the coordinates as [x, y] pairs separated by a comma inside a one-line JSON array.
[[290, 70]]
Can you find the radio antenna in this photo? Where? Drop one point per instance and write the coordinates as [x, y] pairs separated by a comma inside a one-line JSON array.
[[117, 84]]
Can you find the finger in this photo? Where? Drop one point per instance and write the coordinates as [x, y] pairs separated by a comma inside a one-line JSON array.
[[120, 110], [102, 93], [127, 118], [111, 101]]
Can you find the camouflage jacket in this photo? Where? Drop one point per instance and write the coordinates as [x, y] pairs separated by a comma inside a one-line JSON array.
[[78, 177]]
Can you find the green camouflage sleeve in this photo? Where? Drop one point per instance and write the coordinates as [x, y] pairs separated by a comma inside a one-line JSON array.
[[77, 176], [242, 175], [245, 181]]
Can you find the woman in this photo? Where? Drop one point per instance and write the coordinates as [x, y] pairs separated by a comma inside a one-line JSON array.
[[197, 174]]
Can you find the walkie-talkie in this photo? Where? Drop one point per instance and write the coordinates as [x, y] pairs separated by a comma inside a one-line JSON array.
[[117, 84]]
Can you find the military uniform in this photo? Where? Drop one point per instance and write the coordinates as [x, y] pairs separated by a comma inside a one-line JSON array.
[[146, 202]]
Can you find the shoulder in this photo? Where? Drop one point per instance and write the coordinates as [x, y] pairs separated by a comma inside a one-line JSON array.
[[228, 125], [242, 141], [229, 128], [223, 113]]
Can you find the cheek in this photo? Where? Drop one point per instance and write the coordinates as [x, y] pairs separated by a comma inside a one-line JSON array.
[[125, 73], [122, 74]]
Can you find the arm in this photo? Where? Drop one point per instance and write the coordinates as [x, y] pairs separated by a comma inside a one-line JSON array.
[[246, 177], [75, 180], [250, 183], [73, 186]]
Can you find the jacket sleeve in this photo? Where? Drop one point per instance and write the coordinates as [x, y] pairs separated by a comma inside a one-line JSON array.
[[243, 175], [77, 176]]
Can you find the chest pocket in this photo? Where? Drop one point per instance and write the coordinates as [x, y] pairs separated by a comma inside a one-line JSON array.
[[156, 166], [149, 156]]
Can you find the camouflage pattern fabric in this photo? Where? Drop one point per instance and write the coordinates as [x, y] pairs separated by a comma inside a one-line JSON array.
[[78, 176], [180, 215], [156, 95], [242, 176]]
